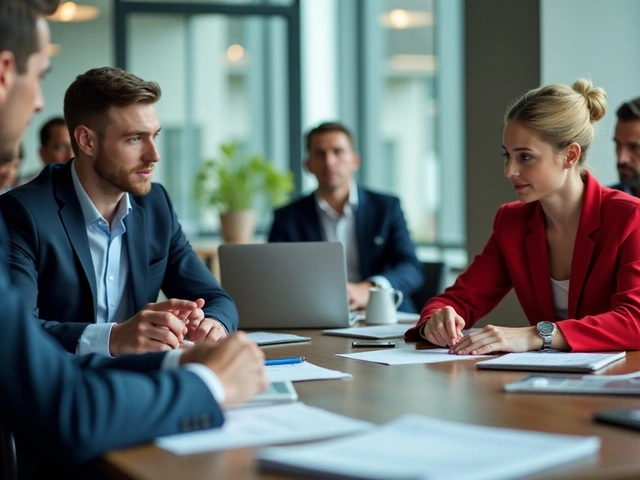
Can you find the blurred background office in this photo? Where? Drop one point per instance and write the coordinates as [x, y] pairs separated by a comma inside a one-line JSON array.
[[423, 84]]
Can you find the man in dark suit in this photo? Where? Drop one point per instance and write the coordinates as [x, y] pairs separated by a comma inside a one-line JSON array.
[[98, 227], [627, 139], [371, 225], [68, 410]]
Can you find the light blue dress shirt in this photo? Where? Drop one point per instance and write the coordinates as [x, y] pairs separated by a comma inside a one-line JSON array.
[[114, 298], [342, 228], [111, 266]]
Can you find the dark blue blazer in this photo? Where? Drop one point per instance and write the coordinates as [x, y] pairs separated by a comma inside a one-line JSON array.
[[384, 244], [68, 410], [51, 262]]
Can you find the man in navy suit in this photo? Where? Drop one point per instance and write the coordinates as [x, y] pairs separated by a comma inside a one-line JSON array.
[[627, 139], [96, 226], [68, 410], [371, 225]]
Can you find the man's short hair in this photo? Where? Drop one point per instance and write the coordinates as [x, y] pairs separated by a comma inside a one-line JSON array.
[[89, 98], [18, 32], [45, 131], [326, 128], [629, 110]]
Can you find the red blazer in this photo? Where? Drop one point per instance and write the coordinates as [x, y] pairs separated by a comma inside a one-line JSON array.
[[604, 289]]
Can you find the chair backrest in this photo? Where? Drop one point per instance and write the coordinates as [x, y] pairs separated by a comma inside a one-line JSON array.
[[435, 279], [8, 459]]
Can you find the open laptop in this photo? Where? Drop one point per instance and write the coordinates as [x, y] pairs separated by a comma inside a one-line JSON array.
[[287, 285]]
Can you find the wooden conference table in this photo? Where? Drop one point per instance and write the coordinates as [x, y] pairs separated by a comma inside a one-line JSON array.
[[379, 393]]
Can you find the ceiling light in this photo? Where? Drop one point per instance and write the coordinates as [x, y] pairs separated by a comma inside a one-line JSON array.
[[53, 49], [72, 12], [235, 53], [401, 19]]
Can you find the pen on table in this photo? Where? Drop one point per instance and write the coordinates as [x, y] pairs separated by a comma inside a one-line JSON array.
[[284, 361]]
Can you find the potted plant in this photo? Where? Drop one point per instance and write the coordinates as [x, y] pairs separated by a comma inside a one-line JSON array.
[[234, 185]]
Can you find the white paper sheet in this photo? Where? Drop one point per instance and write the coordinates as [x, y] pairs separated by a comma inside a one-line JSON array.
[[271, 338], [294, 422], [297, 372], [405, 356], [395, 330], [401, 317], [417, 447]]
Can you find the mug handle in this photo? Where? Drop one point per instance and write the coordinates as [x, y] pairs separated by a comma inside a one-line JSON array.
[[398, 293]]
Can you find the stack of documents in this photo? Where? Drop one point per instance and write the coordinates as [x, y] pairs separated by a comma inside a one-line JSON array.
[[247, 427], [628, 384], [417, 447], [552, 361]]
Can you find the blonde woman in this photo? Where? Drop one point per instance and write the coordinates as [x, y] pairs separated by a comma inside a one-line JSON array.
[[569, 247]]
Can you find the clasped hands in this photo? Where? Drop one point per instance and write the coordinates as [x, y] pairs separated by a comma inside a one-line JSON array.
[[444, 328], [162, 326]]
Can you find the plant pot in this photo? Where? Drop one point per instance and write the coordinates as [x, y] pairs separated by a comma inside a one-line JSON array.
[[238, 226]]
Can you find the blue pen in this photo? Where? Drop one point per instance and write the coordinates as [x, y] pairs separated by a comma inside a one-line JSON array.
[[284, 361]]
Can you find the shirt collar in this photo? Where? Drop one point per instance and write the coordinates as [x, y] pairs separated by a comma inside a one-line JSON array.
[[89, 210], [351, 205]]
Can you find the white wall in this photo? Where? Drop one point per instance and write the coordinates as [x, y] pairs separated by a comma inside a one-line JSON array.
[[600, 40], [84, 45]]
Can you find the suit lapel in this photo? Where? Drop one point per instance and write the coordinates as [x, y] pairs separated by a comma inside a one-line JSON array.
[[538, 258], [72, 219], [136, 241], [584, 245]]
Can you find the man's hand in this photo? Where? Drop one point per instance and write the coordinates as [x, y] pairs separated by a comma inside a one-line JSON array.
[[238, 363], [358, 294], [157, 327], [203, 329]]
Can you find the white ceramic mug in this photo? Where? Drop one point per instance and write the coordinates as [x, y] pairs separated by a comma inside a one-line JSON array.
[[382, 305]]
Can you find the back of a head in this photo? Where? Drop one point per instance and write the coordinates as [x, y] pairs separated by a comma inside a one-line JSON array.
[[561, 115], [45, 130], [89, 98]]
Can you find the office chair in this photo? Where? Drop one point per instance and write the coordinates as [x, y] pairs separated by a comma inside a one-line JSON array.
[[8, 459], [435, 279]]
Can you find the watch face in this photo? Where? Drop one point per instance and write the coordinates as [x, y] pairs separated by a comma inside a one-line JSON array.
[[545, 328]]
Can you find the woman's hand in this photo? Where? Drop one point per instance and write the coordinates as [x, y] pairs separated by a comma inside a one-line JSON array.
[[498, 339], [444, 328]]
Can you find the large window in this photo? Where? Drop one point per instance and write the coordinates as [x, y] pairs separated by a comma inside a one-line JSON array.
[[389, 69], [226, 77]]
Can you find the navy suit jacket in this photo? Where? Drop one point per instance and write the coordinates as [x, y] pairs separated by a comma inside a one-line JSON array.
[[51, 261], [384, 244], [67, 409]]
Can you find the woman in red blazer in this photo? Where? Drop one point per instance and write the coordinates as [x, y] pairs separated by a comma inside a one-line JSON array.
[[569, 247]]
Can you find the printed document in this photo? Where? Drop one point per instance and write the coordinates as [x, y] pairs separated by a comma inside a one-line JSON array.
[[297, 372], [418, 447], [405, 356], [248, 427]]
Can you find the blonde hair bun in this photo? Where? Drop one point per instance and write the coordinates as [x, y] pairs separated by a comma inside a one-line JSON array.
[[595, 97]]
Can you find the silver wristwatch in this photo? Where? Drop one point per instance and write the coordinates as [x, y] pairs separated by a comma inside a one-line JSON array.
[[546, 330]]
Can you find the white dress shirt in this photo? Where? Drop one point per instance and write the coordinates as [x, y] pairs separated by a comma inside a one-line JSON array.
[[560, 289], [342, 228]]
